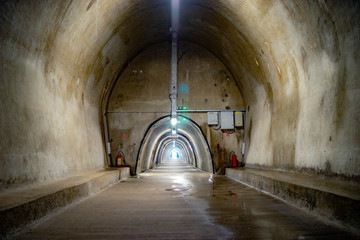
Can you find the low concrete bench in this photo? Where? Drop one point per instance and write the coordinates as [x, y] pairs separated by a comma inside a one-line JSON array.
[[338, 201], [19, 207]]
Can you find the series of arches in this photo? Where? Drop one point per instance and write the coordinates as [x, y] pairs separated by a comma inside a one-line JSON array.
[[159, 141]]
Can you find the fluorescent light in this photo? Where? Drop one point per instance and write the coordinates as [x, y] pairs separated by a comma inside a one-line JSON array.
[[173, 131], [173, 121]]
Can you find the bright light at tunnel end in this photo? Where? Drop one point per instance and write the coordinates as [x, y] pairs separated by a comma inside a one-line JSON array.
[[174, 154]]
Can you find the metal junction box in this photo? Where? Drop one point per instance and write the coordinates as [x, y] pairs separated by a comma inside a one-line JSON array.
[[213, 118], [239, 119], [227, 120]]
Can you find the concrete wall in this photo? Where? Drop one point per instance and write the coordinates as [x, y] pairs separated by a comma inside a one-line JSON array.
[[204, 83], [49, 123], [306, 115], [58, 59], [295, 63]]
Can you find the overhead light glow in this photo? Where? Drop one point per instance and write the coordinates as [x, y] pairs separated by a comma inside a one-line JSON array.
[[173, 121], [174, 132], [175, 6]]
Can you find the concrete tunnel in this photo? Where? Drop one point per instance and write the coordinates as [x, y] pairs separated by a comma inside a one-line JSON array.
[[190, 142], [78, 75]]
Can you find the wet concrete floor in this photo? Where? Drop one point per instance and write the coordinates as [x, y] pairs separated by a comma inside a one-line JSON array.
[[177, 201]]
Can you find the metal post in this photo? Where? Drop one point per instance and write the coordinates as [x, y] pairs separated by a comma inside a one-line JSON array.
[[173, 80], [175, 4]]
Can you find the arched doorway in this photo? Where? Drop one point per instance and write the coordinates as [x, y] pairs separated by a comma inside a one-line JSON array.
[[190, 140]]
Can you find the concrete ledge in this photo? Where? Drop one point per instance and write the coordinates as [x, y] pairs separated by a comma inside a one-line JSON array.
[[124, 173], [20, 207], [337, 201]]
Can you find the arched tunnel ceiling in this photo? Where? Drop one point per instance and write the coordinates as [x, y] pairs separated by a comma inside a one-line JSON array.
[[94, 40], [207, 23], [160, 131], [294, 61], [181, 145]]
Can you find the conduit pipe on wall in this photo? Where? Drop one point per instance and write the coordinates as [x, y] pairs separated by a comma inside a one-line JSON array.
[[107, 141]]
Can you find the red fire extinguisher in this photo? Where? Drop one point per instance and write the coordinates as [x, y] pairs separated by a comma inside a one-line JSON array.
[[234, 161], [119, 159]]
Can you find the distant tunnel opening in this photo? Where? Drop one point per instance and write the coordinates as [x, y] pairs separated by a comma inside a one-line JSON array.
[[174, 149], [159, 145]]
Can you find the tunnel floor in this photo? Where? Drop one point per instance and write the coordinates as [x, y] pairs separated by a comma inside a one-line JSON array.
[[177, 201]]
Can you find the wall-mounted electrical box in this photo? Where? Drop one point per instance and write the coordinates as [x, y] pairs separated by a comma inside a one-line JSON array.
[[239, 119], [227, 120], [213, 118]]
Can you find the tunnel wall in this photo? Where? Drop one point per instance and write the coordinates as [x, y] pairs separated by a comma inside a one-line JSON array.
[[305, 116], [58, 59], [295, 63], [49, 123], [204, 83]]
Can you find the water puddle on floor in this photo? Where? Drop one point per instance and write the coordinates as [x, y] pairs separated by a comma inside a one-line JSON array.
[[235, 211], [177, 189]]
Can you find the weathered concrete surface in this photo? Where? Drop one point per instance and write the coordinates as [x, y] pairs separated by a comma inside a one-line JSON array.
[[176, 201], [203, 82], [306, 113], [295, 63], [336, 200], [19, 207]]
